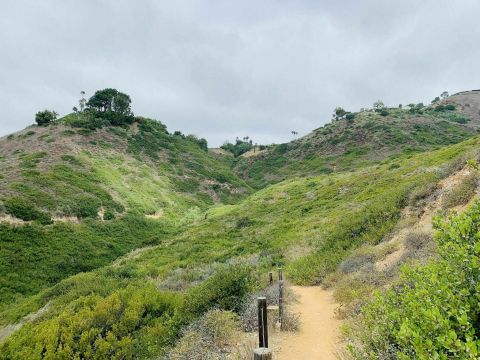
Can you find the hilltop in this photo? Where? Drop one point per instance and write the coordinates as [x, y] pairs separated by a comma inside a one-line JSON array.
[[79, 196], [366, 137]]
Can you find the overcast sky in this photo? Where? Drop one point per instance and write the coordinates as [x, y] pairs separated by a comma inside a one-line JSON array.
[[221, 69]]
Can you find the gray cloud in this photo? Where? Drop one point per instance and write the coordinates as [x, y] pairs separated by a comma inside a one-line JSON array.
[[221, 69]]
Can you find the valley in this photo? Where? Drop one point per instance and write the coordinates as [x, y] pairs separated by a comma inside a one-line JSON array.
[[117, 240]]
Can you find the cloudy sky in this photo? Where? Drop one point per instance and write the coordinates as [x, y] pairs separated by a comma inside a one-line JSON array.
[[221, 69]]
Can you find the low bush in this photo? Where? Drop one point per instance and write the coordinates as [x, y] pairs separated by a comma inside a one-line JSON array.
[[418, 196], [433, 311], [125, 325], [249, 312], [227, 290], [24, 210], [207, 338]]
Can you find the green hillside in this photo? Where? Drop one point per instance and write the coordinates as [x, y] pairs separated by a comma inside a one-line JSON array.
[[116, 235], [73, 198], [355, 140], [308, 224]]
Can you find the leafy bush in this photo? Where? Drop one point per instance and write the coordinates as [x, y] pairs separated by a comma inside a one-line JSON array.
[[240, 147], [226, 290], [95, 328], [45, 117], [432, 313], [25, 210]]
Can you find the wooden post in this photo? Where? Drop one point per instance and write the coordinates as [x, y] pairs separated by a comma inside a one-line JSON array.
[[280, 274], [262, 354], [280, 303], [270, 278], [262, 323]]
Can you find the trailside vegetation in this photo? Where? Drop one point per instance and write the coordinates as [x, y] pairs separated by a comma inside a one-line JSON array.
[[433, 310]]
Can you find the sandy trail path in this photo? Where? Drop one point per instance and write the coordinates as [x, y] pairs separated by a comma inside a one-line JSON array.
[[319, 332]]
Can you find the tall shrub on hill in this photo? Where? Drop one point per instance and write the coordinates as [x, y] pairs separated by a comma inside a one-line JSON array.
[[45, 117]]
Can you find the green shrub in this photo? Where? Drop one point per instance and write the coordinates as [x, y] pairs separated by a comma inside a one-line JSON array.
[[433, 312], [45, 117], [225, 290], [24, 210], [128, 324]]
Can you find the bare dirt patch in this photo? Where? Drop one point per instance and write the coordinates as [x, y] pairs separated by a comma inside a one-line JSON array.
[[8, 330]]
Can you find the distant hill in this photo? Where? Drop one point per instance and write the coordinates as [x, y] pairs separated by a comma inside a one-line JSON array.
[[366, 137]]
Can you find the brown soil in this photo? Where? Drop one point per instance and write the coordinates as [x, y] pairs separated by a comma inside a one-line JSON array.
[[319, 334]]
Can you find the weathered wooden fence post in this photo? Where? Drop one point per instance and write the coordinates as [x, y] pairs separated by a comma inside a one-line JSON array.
[[262, 354], [280, 297], [280, 303], [262, 323], [270, 278]]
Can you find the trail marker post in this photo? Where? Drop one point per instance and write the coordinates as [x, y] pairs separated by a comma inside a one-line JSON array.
[[280, 304], [262, 323], [280, 297]]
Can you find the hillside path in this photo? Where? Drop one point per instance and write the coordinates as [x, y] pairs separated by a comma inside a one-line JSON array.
[[318, 336]]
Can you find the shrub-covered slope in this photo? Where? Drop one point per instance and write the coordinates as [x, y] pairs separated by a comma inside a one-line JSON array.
[[308, 224], [366, 137], [73, 196]]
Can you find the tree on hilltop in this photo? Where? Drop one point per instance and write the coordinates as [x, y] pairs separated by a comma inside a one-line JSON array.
[[339, 113], [110, 100], [45, 117], [111, 105]]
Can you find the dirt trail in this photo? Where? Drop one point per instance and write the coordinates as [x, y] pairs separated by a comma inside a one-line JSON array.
[[319, 332]]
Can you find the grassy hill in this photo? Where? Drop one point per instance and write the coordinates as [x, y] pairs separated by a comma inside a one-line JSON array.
[[365, 138], [113, 239], [73, 198], [309, 225]]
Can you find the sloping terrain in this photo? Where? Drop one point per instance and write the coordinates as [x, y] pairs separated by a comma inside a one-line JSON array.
[[309, 225], [74, 199], [115, 239], [368, 137]]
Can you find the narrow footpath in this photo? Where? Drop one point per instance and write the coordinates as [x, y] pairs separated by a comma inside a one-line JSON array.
[[318, 336]]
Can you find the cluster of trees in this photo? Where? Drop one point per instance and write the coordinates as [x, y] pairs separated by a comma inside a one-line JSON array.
[[108, 104], [241, 146], [442, 96], [339, 114]]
